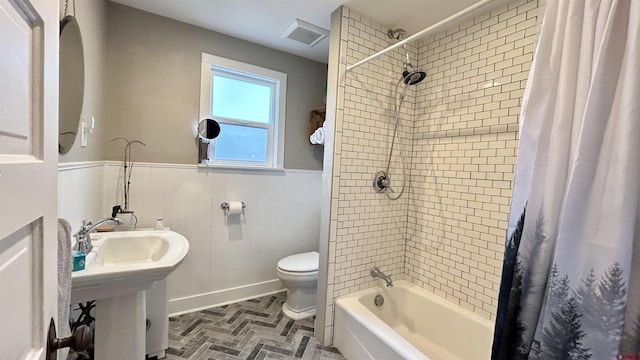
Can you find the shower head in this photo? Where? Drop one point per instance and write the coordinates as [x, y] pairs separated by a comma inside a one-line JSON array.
[[413, 77], [397, 34]]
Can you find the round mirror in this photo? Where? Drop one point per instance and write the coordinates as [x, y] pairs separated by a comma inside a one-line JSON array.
[[208, 129], [71, 84]]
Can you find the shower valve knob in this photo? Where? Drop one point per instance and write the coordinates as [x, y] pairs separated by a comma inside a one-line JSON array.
[[381, 182]]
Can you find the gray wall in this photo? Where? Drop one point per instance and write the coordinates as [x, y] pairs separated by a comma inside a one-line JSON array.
[[153, 86]]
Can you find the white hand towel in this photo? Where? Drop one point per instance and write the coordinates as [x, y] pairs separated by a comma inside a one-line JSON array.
[[318, 136], [320, 133], [64, 282], [314, 138]]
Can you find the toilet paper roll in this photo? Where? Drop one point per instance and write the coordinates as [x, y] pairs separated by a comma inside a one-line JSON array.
[[235, 208]]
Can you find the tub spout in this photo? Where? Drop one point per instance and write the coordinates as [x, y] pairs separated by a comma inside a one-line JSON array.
[[376, 273]]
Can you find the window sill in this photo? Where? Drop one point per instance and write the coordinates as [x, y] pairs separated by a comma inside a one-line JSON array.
[[240, 167]]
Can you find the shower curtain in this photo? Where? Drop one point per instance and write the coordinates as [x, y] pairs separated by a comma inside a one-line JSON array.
[[571, 274]]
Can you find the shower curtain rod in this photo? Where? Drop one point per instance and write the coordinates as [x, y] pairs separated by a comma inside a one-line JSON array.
[[424, 32]]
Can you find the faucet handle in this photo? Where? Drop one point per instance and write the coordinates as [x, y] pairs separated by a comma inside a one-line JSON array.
[[83, 230]]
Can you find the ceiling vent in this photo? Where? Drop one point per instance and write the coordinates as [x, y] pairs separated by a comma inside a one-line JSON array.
[[304, 32]]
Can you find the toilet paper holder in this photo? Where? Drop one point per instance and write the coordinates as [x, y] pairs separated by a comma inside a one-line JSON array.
[[225, 205]]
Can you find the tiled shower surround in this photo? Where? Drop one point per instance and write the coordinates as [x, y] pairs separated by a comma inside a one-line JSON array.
[[367, 229], [464, 152], [460, 138]]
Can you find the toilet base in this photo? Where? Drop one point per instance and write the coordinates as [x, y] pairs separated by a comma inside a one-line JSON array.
[[298, 315]]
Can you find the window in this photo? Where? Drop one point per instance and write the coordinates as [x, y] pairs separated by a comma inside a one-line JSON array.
[[249, 103]]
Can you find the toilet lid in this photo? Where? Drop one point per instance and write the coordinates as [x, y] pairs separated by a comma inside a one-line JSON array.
[[304, 262]]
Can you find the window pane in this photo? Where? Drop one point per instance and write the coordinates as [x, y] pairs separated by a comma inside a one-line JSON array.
[[242, 143], [237, 99]]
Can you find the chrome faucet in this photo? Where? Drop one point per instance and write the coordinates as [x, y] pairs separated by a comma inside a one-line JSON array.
[[376, 273], [82, 236]]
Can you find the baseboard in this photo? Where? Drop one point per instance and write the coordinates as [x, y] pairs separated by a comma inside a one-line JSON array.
[[198, 302]]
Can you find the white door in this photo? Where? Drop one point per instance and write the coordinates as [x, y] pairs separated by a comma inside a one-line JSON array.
[[28, 181]]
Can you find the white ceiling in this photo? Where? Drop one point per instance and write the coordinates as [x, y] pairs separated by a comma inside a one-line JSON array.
[[262, 21]]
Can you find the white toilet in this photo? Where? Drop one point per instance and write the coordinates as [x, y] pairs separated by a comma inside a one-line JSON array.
[[299, 275]]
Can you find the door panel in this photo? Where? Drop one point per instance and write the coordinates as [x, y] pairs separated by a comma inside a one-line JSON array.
[[20, 96], [29, 32], [18, 253]]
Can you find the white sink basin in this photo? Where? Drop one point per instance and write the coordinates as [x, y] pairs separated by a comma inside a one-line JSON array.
[[127, 262]]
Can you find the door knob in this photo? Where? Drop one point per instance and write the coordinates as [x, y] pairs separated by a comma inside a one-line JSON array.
[[78, 341]]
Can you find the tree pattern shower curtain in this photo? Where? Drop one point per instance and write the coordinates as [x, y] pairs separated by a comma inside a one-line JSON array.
[[571, 276]]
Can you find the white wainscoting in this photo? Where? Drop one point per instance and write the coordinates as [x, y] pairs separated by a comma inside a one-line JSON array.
[[230, 258], [81, 192]]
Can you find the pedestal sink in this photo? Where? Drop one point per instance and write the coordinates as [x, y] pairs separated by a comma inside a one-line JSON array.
[[119, 268]]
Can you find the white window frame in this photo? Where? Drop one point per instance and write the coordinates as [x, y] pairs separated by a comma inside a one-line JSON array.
[[259, 75]]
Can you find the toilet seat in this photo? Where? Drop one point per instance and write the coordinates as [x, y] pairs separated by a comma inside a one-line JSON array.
[[300, 263]]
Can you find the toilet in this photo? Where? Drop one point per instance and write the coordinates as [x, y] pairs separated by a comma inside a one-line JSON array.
[[299, 275]]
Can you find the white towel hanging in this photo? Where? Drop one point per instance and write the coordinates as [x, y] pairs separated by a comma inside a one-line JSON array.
[[317, 138]]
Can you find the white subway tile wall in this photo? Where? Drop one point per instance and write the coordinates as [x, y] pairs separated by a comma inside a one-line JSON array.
[[367, 229], [464, 153], [459, 131]]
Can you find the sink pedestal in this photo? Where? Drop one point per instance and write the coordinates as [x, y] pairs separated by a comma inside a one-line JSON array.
[[120, 328]]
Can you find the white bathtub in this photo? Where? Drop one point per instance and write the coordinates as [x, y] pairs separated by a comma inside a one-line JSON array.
[[411, 324]]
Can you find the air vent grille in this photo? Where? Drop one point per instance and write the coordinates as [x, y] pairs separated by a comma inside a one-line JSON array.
[[304, 32]]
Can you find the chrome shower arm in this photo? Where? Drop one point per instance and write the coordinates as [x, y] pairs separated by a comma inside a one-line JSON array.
[[407, 63]]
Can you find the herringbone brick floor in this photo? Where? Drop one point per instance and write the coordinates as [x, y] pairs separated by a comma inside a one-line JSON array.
[[253, 330]]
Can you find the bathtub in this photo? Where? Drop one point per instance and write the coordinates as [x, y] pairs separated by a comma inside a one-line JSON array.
[[411, 324]]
